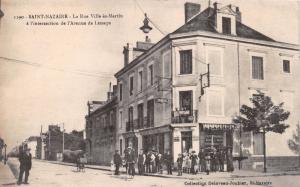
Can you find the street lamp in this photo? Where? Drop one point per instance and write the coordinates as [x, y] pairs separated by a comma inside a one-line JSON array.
[[5, 153], [146, 28]]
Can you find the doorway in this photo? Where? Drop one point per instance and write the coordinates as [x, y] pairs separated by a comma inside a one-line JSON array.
[[186, 141]]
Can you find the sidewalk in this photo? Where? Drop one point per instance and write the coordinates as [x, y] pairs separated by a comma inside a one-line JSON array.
[[6, 176], [235, 174]]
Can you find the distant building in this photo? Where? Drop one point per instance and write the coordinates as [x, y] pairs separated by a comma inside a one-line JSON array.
[[32, 143], [101, 130]]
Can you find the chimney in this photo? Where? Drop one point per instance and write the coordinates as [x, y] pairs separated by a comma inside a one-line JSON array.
[[216, 6], [128, 54], [239, 14], [190, 10]]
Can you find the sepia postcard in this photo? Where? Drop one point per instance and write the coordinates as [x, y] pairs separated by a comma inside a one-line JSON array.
[[150, 93]]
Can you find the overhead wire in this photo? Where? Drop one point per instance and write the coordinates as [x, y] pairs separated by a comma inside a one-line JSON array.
[[39, 65]]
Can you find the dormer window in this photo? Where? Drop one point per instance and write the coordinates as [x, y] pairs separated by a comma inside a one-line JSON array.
[[226, 25]]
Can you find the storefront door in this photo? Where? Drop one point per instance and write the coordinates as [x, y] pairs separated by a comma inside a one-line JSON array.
[[186, 141]]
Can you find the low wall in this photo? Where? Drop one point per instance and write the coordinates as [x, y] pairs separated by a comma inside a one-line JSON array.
[[274, 163]]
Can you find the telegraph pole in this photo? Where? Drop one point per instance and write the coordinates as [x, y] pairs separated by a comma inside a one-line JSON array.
[[63, 140]]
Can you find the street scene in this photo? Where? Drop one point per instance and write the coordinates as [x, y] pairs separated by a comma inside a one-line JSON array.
[[149, 93]]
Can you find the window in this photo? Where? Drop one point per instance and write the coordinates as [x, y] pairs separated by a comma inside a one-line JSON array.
[[186, 62], [215, 103], [140, 115], [140, 81], [286, 66], [150, 113], [150, 75], [121, 91], [257, 68], [131, 85], [186, 100], [214, 59], [130, 119], [121, 147], [257, 143], [121, 119], [226, 25]]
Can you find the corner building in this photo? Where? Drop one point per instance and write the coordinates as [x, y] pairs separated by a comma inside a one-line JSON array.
[[160, 105]]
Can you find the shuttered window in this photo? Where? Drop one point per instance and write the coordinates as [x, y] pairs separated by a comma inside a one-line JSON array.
[[186, 62], [257, 68], [131, 86], [140, 115], [150, 113]]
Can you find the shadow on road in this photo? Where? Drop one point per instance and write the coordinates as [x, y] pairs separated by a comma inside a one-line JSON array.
[[9, 184]]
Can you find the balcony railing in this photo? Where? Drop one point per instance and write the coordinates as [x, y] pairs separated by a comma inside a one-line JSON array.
[[185, 116]]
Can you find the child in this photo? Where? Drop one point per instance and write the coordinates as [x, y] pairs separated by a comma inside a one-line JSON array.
[[179, 164]]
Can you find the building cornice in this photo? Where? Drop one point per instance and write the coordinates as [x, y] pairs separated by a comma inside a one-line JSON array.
[[236, 39]]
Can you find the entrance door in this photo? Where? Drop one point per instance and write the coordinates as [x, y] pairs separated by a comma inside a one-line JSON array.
[[186, 141]]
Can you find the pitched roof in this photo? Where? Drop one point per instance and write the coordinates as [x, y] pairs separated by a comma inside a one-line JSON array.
[[205, 22]]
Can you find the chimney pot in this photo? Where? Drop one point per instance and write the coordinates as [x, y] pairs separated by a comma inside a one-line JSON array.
[[190, 10]]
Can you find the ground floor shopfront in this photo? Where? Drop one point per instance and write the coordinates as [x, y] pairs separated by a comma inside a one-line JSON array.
[[179, 138]]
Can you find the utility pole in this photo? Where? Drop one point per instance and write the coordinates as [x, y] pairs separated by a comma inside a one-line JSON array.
[[49, 150], [63, 140]]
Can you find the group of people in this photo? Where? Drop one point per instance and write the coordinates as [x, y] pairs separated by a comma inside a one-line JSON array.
[[149, 162], [210, 159]]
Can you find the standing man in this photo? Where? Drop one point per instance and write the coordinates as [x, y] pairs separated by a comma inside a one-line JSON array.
[[117, 161], [130, 160], [168, 161], [141, 162], [25, 165]]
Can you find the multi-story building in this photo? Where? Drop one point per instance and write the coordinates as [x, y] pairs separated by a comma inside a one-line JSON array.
[[101, 129], [162, 104]]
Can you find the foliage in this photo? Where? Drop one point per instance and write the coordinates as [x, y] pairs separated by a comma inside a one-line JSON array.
[[263, 116], [294, 143]]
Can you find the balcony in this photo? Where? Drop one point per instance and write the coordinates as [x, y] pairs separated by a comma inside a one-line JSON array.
[[185, 116]]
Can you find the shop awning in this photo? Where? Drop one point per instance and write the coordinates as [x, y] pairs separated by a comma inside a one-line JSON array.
[[217, 126]]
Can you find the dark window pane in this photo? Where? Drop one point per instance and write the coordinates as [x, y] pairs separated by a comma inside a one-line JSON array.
[[150, 113], [121, 92], [131, 86], [286, 66], [186, 62], [226, 25]]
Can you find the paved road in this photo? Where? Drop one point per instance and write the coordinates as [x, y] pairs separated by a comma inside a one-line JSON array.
[[47, 174]]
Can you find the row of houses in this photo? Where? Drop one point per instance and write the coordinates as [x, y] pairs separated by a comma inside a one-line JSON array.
[[160, 102]]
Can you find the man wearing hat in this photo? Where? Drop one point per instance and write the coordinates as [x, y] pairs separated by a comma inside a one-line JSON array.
[[130, 160], [25, 165], [117, 161]]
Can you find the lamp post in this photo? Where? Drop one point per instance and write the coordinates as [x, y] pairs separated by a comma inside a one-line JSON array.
[[5, 153]]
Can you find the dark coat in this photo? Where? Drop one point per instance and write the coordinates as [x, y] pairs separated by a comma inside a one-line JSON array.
[[25, 161], [130, 156], [179, 162], [168, 158], [117, 159]]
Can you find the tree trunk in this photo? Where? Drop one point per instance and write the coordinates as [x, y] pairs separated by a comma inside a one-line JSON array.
[[264, 151]]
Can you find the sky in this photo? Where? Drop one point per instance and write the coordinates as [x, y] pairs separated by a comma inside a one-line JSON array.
[[56, 91]]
